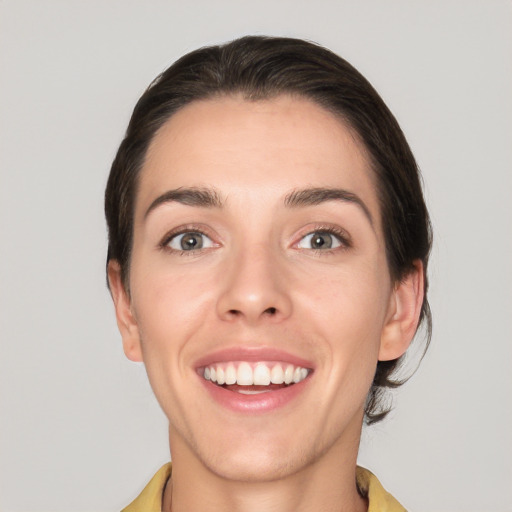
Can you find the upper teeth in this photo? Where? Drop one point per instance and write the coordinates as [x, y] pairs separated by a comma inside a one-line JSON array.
[[258, 374]]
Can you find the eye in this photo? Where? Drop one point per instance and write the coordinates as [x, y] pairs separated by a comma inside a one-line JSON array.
[[189, 241], [320, 240]]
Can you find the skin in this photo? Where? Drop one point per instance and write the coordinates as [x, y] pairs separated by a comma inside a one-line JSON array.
[[258, 282]]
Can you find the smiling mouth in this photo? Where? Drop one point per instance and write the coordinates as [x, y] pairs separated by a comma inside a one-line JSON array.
[[254, 378]]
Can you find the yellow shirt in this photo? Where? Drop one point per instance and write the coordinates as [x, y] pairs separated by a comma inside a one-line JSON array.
[[150, 499]]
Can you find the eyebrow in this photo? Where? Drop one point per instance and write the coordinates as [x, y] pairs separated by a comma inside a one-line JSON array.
[[210, 198], [191, 196], [316, 196]]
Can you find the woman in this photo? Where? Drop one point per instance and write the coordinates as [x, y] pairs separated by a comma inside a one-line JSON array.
[[268, 249]]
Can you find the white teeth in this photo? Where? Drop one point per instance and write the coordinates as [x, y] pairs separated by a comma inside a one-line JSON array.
[[277, 374], [259, 374], [231, 374], [288, 374], [220, 376], [244, 375], [252, 392]]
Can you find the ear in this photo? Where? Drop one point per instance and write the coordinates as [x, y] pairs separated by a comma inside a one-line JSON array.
[[126, 321], [403, 314]]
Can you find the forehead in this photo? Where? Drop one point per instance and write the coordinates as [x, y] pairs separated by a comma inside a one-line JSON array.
[[243, 146]]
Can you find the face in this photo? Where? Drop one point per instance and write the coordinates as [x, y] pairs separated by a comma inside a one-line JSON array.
[[260, 297]]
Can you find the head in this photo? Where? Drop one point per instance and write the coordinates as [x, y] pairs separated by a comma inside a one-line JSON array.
[[257, 69]]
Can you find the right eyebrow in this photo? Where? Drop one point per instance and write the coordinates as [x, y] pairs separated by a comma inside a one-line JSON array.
[[191, 196]]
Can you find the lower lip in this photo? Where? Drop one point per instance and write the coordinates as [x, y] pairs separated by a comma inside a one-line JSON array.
[[266, 401]]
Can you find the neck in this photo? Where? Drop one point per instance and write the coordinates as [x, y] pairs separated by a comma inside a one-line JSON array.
[[326, 484]]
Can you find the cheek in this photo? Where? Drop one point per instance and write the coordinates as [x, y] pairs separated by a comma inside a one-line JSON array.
[[170, 303], [348, 309], [351, 295], [170, 309]]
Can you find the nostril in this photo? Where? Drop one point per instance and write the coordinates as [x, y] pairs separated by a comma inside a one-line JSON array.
[[235, 313]]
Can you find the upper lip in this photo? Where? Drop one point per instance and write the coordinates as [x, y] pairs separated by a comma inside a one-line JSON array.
[[252, 354]]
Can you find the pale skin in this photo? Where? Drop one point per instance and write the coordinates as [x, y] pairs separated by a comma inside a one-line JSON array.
[[259, 281]]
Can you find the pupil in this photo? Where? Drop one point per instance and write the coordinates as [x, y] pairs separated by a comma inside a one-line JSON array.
[[191, 241]]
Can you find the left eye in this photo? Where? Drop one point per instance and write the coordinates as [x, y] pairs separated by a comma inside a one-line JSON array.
[[319, 240], [189, 241]]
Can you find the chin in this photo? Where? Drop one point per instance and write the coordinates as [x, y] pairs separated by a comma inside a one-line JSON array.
[[256, 458], [254, 467]]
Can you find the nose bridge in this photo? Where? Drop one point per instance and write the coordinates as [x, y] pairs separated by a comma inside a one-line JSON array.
[[253, 286]]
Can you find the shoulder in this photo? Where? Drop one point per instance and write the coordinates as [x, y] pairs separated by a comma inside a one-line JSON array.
[[150, 499], [379, 500]]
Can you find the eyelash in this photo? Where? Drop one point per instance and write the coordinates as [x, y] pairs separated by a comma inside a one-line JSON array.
[[341, 235]]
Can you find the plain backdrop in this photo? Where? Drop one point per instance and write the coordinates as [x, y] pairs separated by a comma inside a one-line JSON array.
[[79, 428]]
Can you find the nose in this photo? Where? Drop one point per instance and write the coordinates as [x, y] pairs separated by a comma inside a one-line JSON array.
[[254, 288]]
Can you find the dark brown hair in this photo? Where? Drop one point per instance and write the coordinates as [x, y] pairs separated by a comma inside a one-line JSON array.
[[261, 68]]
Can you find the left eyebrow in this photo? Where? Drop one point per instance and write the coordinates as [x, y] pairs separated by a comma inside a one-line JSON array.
[[316, 196]]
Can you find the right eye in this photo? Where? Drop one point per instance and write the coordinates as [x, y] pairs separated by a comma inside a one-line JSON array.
[[189, 241]]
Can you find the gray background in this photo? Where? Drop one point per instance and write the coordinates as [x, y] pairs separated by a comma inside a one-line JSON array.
[[79, 428]]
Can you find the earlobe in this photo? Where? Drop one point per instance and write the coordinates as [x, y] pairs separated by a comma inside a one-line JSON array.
[[403, 315], [126, 321]]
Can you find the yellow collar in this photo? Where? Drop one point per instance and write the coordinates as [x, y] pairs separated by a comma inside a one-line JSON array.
[[150, 499]]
